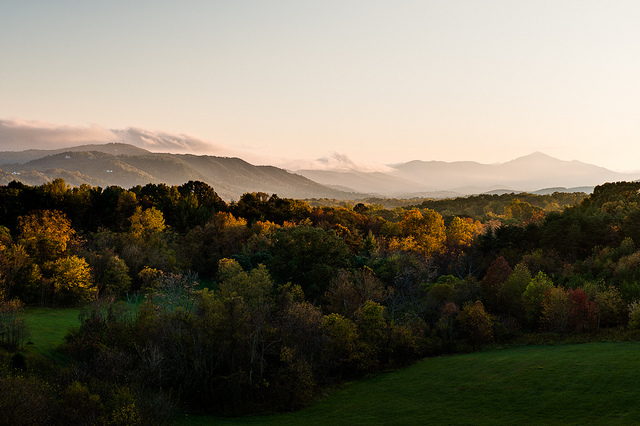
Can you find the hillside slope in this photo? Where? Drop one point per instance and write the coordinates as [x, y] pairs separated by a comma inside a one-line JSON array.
[[230, 177]]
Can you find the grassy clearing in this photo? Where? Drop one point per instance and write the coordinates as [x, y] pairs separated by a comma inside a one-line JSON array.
[[555, 384], [48, 327], [562, 384]]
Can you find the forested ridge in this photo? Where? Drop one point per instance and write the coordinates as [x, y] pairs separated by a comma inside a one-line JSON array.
[[261, 304]]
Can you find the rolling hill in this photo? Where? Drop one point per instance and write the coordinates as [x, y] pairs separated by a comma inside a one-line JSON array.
[[230, 177], [127, 165]]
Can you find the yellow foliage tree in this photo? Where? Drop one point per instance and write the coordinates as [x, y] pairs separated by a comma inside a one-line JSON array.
[[71, 280], [461, 232], [426, 229], [45, 233], [146, 223]]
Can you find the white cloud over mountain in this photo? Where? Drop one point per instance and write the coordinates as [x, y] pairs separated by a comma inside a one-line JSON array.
[[17, 135]]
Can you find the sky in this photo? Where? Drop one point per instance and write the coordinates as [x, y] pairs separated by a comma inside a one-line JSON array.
[[312, 83]]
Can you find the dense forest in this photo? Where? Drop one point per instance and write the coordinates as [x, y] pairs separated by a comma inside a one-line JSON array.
[[260, 305]]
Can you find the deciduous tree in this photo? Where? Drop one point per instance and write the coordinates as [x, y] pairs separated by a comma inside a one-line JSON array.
[[556, 306], [349, 291], [424, 231], [71, 280], [533, 298], [476, 323], [45, 234]]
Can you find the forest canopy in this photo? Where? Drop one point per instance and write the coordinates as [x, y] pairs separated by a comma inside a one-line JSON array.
[[258, 305]]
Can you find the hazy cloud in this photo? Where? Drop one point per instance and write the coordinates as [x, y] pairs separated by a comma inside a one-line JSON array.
[[166, 142], [336, 162], [18, 135]]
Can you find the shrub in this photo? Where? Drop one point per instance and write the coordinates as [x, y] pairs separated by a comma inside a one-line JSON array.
[[26, 401]]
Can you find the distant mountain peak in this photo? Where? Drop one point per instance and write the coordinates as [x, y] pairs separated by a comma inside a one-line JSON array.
[[539, 154], [126, 165], [534, 156]]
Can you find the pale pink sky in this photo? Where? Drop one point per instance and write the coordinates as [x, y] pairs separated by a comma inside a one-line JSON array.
[[377, 81]]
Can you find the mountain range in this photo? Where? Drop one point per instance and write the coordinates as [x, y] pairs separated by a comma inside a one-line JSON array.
[[530, 173], [126, 165]]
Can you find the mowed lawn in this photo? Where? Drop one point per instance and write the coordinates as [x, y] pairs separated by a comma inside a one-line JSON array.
[[597, 383], [48, 326]]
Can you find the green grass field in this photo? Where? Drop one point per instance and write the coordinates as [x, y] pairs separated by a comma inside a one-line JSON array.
[[48, 327], [573, 384], [541, 384]]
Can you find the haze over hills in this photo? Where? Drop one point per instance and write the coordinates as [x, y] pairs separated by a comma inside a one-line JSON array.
[[530, 173], [127, 165], [106, 165]]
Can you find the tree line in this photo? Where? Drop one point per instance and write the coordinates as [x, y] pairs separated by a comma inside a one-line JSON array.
[[260, 304]]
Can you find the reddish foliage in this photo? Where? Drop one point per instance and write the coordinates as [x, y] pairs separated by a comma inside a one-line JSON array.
[[583, 313]]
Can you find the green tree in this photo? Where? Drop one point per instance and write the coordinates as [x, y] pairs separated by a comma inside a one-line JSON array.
[[54, 193], [148, 242], [533, 298], [307, 256], [342, 351], [556, 306], [127, 206], [301, 344], [252, 206], [512, 290], [197, 203], [223, 236], [254, 287], [373, 327], [476, 323], [111, 273], [247, 299], [611, 307], [440, 294]]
